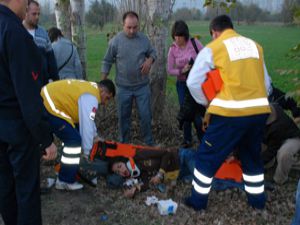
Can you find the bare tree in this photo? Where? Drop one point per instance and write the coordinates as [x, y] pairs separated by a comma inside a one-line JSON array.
[[62, 15], [78, 33], [159, 12]]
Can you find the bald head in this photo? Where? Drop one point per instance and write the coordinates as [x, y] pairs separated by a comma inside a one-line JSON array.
[[17, 6]]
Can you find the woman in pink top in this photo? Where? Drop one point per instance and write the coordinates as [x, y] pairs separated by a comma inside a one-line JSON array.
[[181, 56]]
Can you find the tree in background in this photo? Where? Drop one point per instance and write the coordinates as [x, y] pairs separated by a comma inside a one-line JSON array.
[[187, 14], [100, 13], [62, 15], [70, 19], [289, 9]]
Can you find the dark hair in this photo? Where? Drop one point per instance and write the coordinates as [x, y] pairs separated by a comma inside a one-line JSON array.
[[220, 23], [130, 14], [33, 2], [113, 160], [109, 85], [180, 28], [54, 33]]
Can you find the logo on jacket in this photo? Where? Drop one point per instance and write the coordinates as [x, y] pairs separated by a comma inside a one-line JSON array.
[[93, 113], [34, 75]]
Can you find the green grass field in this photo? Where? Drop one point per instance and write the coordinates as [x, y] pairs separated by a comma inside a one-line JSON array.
[[275, 39]]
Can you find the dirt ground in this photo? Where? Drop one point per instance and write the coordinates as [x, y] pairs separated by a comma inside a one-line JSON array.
[[101, 205]]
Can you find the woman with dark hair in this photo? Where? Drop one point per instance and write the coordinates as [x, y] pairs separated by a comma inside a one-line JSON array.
[[181, 56], [66, 55]]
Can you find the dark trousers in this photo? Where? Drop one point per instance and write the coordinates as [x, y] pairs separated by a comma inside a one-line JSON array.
[[222, 136], [19, 175], [71, 139]]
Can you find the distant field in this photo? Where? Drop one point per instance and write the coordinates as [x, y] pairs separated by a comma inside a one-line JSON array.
[[275, 39]]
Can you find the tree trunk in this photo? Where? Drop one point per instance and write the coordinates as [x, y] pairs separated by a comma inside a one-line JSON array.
[[157, 25], [78, 34], [62, 15]]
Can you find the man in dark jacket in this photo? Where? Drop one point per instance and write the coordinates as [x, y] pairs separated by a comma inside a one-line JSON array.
[[24, 133], [286, 102], [282, 140]]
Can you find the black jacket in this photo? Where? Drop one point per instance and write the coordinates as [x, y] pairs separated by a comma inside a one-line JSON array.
[[286, 102], [277, 132], [21, 78]]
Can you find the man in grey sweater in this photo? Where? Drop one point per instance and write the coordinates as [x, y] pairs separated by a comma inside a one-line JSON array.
[[133, 55], [66, 55]]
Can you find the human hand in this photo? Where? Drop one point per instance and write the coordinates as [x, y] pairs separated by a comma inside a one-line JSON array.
[[155, 180], [297, 120], [129, 192], [146, 66], [206, 121], [98, 138], [186, 68], [50, 152]]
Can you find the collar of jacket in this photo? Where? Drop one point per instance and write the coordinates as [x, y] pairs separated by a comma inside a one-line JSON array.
[[5, 10]]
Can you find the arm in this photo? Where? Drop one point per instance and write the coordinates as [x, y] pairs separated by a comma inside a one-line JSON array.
[[197, 75], [268, 81], [171, 65], [109, 58], [25, 72], [87, 107]]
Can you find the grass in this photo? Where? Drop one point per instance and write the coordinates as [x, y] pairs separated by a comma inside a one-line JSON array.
[[275, 39]]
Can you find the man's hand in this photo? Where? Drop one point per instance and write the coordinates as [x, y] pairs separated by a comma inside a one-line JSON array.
[[206, 121], [146, 66], [50, 152]]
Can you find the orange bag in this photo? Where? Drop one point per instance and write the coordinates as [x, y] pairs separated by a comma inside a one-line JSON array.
[[230, 171], [212, 85]]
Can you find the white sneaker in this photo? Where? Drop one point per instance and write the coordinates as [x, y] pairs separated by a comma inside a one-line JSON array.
[[61, 185]]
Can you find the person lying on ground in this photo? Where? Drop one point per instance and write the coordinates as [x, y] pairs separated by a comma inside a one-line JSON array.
[[152, 167]]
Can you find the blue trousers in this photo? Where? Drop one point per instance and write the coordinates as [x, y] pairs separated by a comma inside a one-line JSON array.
[[125, 97], [71, 139], [222, 136], [19, 175], [187, 126]]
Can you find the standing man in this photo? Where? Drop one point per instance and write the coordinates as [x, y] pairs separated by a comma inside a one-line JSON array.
[[133, 54], [236, 116], [72, 107], [24, 133], [41, 39]]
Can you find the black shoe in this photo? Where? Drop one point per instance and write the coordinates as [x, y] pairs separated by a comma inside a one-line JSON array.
[[189, 202]]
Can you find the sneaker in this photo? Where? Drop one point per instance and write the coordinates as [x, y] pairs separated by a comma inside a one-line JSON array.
[[61, 185]]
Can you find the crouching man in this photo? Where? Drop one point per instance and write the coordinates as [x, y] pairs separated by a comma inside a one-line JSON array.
[[282, 140], [72, 106]]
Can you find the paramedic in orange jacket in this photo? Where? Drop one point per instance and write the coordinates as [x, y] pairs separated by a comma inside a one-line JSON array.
[[237, 113]]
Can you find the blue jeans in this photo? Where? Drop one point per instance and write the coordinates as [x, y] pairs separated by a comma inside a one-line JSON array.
[[187, 126], [125, 97], [71, 138], [19, 174], [187, 163], [296, 219]]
